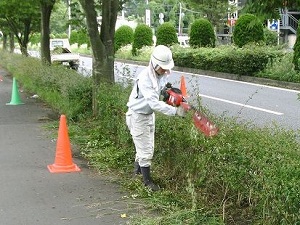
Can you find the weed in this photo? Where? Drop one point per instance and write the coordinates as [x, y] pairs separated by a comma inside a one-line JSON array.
[[245, 175]]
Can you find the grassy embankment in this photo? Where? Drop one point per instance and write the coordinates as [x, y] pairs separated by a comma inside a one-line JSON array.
[[245, 175]]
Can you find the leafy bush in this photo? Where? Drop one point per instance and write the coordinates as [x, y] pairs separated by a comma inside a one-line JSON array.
[[281, 69], [246, 61], [35, 38], [142, 37], [251, 60], [296, 57], [271, 37], [202, 34], [166, 34], [80, 37], [123, 36], [248, 28]]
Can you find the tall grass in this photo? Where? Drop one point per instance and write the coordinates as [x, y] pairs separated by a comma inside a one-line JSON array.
[[67, 91], [245, 175]]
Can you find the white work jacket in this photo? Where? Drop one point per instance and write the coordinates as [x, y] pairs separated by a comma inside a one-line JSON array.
[[144, 98]]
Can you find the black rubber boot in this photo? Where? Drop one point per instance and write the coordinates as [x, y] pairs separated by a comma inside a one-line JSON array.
[[147, 179], [137, 169]]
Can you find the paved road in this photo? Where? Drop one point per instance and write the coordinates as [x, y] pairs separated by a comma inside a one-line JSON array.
[[260, 104], [30, 194]]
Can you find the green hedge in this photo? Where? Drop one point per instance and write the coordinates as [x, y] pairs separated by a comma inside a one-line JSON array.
[[241, 61]]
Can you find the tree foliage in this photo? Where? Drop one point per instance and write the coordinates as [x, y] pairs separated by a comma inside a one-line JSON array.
[[202, 34], [166, 34], [214, 10], [22, 19], [123, 36], [142, 37], [248, 29], [169, 8], [269, 9], [296, 55]]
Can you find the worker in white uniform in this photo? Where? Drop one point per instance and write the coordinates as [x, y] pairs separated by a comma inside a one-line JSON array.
[[143, 101]]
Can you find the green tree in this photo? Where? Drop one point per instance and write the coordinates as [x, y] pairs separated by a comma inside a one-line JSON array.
[[142, 37], [59, 18], [214, 10], [268, 9], [23, 18], [102, 43], [166, 34], [296, 56], [6, 32], [202, 34], [169, 8], [123, 36], [248, 28]]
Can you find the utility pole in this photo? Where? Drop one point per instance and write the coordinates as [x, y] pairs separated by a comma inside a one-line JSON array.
[[179, 21], [69, 14], [147, 15]]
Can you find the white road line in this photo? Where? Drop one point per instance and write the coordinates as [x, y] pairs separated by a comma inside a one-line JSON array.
[[243, 105]]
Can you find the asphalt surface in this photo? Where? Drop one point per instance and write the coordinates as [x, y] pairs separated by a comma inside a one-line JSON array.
[[30, 194]]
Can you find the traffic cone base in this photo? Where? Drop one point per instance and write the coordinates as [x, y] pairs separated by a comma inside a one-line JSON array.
[[63, 169], [15, 97], [183, 87], [63, 157]]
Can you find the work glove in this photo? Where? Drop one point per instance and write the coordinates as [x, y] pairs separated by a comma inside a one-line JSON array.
[[164, 94], [168, 85], [180, 111]]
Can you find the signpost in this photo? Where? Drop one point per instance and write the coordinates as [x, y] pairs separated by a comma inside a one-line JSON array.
[[161, 18], [148, 23], [232, 13], [275, 26]]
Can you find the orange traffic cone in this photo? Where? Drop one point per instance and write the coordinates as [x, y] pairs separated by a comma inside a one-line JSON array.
[[63, 158], [183, 87]]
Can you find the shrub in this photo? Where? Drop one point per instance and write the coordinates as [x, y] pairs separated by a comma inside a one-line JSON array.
[[35, 38], [243, 61], [80, 37], [202, 34], [142, 37], [271, 37], [123, 36], [248, 29], [166, 34], [296, 56]]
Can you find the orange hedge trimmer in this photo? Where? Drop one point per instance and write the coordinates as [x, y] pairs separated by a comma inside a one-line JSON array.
[[174, 97]]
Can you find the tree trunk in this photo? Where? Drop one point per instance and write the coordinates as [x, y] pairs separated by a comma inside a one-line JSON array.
[[46, 9], [102, 45], [4, 44], [11, 43], [109, 18]]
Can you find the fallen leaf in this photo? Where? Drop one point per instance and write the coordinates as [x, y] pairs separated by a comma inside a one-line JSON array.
[[123, 215]]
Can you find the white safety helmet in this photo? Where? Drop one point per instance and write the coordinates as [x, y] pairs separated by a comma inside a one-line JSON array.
[[162, 56]]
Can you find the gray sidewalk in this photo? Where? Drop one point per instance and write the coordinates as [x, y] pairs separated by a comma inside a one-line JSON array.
[[30, 194]]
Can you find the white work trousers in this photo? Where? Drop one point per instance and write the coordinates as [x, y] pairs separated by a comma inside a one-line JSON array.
[[142, 129]]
